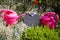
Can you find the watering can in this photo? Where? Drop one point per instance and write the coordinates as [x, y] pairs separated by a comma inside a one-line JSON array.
[[10, 16], [50, 19]]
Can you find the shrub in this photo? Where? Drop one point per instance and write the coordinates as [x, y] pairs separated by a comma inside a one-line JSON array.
[[10, 33], [39, 33], [7, 33]]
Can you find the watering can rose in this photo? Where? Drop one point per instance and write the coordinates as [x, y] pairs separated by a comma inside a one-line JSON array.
[[10, 16]]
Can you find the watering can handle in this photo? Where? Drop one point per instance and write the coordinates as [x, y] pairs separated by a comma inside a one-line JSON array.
[[57, 17], [1, 11]]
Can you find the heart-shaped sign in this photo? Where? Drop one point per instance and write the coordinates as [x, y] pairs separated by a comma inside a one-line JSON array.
[[31, 19]]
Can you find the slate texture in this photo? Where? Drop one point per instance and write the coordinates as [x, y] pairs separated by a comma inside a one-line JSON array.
[[31, 20]]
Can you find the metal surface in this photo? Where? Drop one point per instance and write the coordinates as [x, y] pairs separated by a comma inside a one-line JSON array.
[[31, 20]]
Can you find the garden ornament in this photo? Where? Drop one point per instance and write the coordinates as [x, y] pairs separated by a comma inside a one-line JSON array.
[[50, 19], [32, 19], [53, 14], [10, 16]]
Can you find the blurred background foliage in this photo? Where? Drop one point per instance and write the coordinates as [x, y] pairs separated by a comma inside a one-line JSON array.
[[24, 5]]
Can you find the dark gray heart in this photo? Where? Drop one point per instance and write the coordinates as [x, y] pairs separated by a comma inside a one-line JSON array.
[[31, 20]]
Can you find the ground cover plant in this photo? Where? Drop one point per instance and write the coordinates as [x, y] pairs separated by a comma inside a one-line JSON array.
[[40, 33]]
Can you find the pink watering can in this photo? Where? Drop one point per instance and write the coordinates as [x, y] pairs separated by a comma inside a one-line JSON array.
[[50, 19], [10, 16]]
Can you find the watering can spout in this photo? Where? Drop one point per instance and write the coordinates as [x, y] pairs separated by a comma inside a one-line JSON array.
[[10, 16], [21, 15]]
